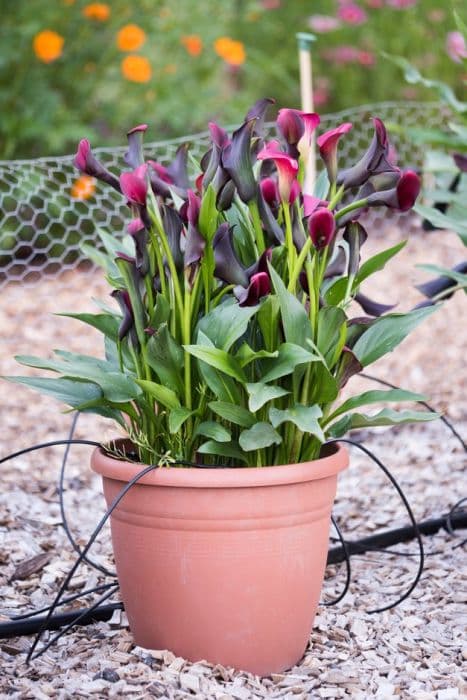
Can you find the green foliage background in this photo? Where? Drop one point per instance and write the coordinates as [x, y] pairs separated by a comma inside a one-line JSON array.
[[46, 108]]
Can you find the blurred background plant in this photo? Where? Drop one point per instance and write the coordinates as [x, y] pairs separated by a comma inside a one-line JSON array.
[[73, 67]]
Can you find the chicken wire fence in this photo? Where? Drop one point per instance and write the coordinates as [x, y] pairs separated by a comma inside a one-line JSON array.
[[44, 222]]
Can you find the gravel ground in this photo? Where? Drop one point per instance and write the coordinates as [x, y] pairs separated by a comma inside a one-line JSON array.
[[413, 651]]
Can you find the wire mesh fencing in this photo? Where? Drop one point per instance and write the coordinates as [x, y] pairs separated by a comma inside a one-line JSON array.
[[45, 217]]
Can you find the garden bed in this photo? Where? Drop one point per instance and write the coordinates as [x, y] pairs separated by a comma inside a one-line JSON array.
[[415, 650]]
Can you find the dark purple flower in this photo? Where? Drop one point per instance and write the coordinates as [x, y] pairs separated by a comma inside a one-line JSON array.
[[134, 185], [321, 227], [371, 307], [327, 144], [376, 160], [355, 235], [134, 156], [236, 161], [401, 197], [291, 126], [228, 268], [195, 243], [258, 113], [461, 161], [178, 170], [123, 300], [87, 163], [173, 225], [260, 286]]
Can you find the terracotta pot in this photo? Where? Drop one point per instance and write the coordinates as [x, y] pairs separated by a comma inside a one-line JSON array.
[[224, 565]]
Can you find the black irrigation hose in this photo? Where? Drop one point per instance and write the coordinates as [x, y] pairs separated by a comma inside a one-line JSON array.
[[345, 557]]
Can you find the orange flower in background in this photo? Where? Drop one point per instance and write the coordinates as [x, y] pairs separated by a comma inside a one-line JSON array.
[[193, 44], [97, 10], [130, 38], [48, 45], [137, 69], [83, 188], [232, 51]]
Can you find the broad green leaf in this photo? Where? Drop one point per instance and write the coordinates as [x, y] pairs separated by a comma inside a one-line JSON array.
[[226, 323], [376, 263], [375, 396], [306, 418], [321, 187], [105, 323], [385, 417], [386, 333], [335, 292], [245, 355], [219, 359], [289, 357], [160, 313], [69, 391], [222, 449], [207, 221], [260, 393], [213, 430], [440, 220], [162, 394], [323, 385], [233, 413], [102, 260], [222, 386], [166, 358], [295, 320], [332, 331], [268, 315], [177, 417], [259, 436]]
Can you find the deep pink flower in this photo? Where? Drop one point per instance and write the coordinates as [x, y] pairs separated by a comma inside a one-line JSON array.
[[134, 185], [311, 203], [342, 54], [366, 58], [327, 144], [260, 286], [311, 121], [87, 163], [456, 47], [321, 227], [269, 191], [401, 4], [135, 226], [323, 23], [352, 14], [287, 167], [294, 191], [290, 124], [321, 91], [193, 209], [161, 171], [375, 4]]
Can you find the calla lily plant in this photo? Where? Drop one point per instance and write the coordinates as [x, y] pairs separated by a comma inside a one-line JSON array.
[[233, 329]]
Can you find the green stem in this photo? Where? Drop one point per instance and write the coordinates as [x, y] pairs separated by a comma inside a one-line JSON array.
[[310, 271], [256, 219], [357, 204], [291, 252], [299, 264], [335, 197]]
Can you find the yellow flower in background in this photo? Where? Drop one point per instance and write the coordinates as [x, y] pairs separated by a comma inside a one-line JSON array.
[[232, 51], [193, 44], [136, 68], [83, 188], [130, 38], [97, 10], [48, 45]]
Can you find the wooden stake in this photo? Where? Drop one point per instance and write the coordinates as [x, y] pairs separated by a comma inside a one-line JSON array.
[[305, 41]]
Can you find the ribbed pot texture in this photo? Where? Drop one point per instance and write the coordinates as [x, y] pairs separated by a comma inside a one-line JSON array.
[[224, 565]]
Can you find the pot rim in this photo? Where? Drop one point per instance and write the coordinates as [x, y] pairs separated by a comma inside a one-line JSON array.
[[232, 477]]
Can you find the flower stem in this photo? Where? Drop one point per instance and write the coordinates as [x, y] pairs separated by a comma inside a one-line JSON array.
[[291, 252], [357, 204], [256, 219]]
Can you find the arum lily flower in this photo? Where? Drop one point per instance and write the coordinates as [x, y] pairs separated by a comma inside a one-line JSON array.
[[134, 156], [228, 268], [355, 235], [236, 161], [87, 163], [321, 227], [258, 113], [311, 203], [311, 121], [134, 185], [260, 286], [137, 230], [401, 197], [195, 243], [122, 298], [292, 128], [287, 168], [327, 144], [375, 160]]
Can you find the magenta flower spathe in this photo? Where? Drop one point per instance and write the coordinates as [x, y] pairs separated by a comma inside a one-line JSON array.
[[327, 144], [321, 227], [456, 47], [87, 163], [287, 167], [260, 286], [134, 185], [402, 197]]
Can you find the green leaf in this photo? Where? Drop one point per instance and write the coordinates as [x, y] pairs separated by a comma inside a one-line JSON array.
[[105, 323], [376, 263], [322, 184], [160, 313], [227, 323], [304, 417], [207, 221], [335, 292], [162, 394], [384, 417], [440, 220], [213, 430], [259, 436], [459, 277], [219, 359], [166, 358], [375, 396], [69, 391], [222, 449], [177, 417], [295, 320], [289, 357], [268, 321], [246, 355], [260, 393], [233, 413], [332, 331], [222, 386], [386, 333]]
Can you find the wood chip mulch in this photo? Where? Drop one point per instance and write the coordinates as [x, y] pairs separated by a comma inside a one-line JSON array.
[[417, 650]]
